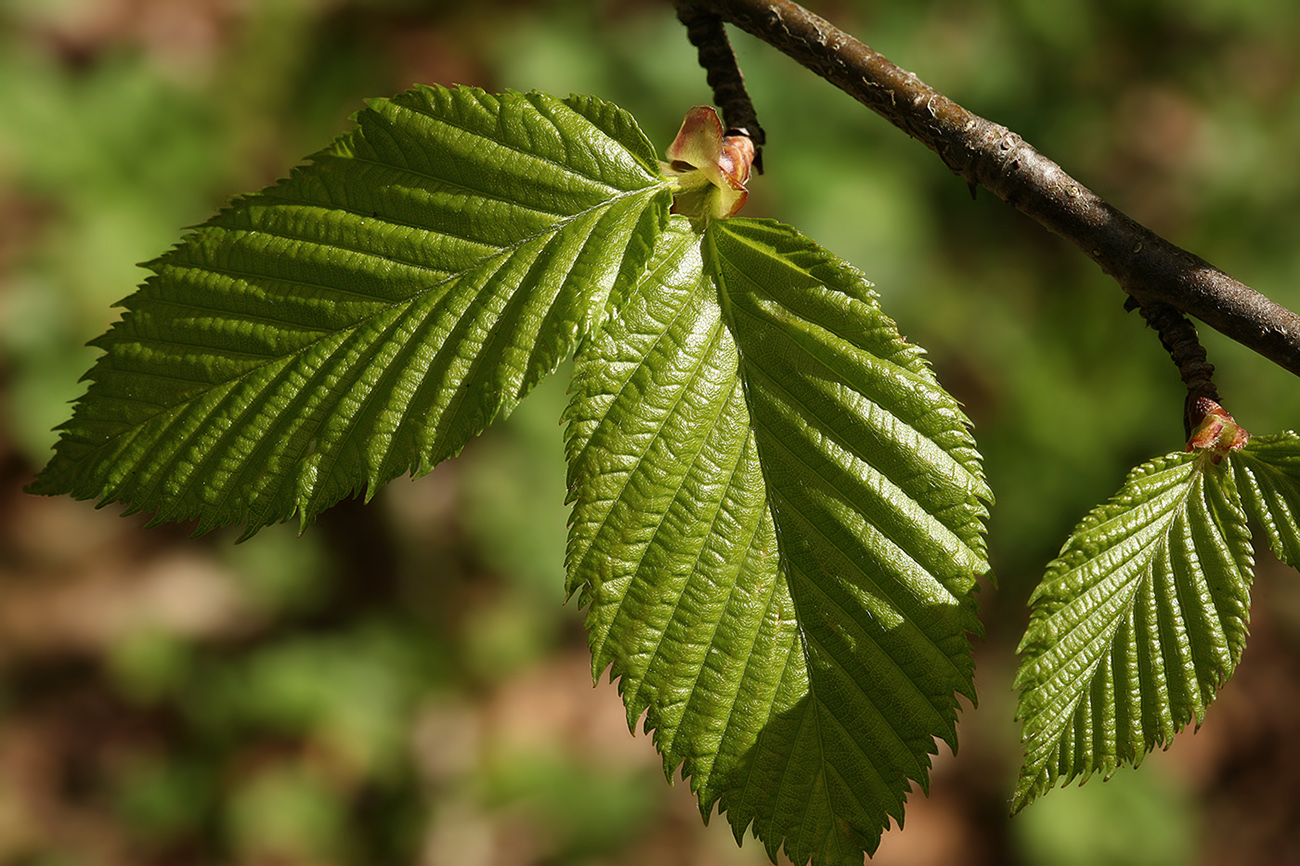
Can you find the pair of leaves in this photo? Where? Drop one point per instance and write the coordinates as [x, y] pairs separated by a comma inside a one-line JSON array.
[[1144, 613], [777, 512]]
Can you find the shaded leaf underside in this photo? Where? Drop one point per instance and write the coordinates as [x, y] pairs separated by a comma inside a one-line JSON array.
[[367, 316], [1267, 471], [1136, 624], [777, 528]]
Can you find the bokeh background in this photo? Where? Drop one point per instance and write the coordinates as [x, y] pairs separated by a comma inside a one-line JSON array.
[[403, 684]]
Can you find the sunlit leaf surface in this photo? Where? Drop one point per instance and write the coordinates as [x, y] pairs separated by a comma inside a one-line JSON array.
[[777, 512], [777, 530], [367, 316], [1136, 624]]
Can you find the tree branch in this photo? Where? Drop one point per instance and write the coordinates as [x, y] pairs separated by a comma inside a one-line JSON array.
[[1151, 269]]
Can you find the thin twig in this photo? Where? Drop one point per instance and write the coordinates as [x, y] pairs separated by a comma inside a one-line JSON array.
[[1178, 336], [706, 32], [1147, 266]]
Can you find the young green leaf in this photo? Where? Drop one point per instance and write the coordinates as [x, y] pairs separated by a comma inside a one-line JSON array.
[[777, 511], [1136, 624], [777, 528], [1268, 474], [368, 315]]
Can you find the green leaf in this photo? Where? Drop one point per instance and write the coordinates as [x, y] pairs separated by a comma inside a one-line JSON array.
[[368, 315], [778, 513], [777, 528], [1268, 474], [1136, 624]]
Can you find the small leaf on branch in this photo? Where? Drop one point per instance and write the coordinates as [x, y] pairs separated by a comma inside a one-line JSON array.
[[1136, 624]]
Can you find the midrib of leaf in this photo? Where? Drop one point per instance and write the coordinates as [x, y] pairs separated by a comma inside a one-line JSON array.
[[679, 743], [717, 559], [339, 337], [672, 620], [884, 607], [834, 452], [1120, 602], [580, 546], [817, 341], [502, 253], [900, 683], [405, 317], [881, 512], [773, 406], [693, 669]]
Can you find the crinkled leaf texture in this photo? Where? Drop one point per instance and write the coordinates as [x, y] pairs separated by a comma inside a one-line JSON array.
[[778, 513], [1138, 621], [777, 526], [368, 315]]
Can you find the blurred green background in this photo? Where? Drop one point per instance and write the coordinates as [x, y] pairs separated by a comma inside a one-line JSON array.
[[403, 684]]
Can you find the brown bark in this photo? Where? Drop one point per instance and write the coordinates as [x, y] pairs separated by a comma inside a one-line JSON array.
[[1151, 269]]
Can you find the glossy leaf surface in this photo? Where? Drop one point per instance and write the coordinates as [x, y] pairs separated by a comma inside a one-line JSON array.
[[777, 529], [1137, 622], [777, 512], [368, 315]]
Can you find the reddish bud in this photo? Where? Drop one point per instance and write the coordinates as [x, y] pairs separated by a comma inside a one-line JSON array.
[[1216, 431], [701, 155]]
